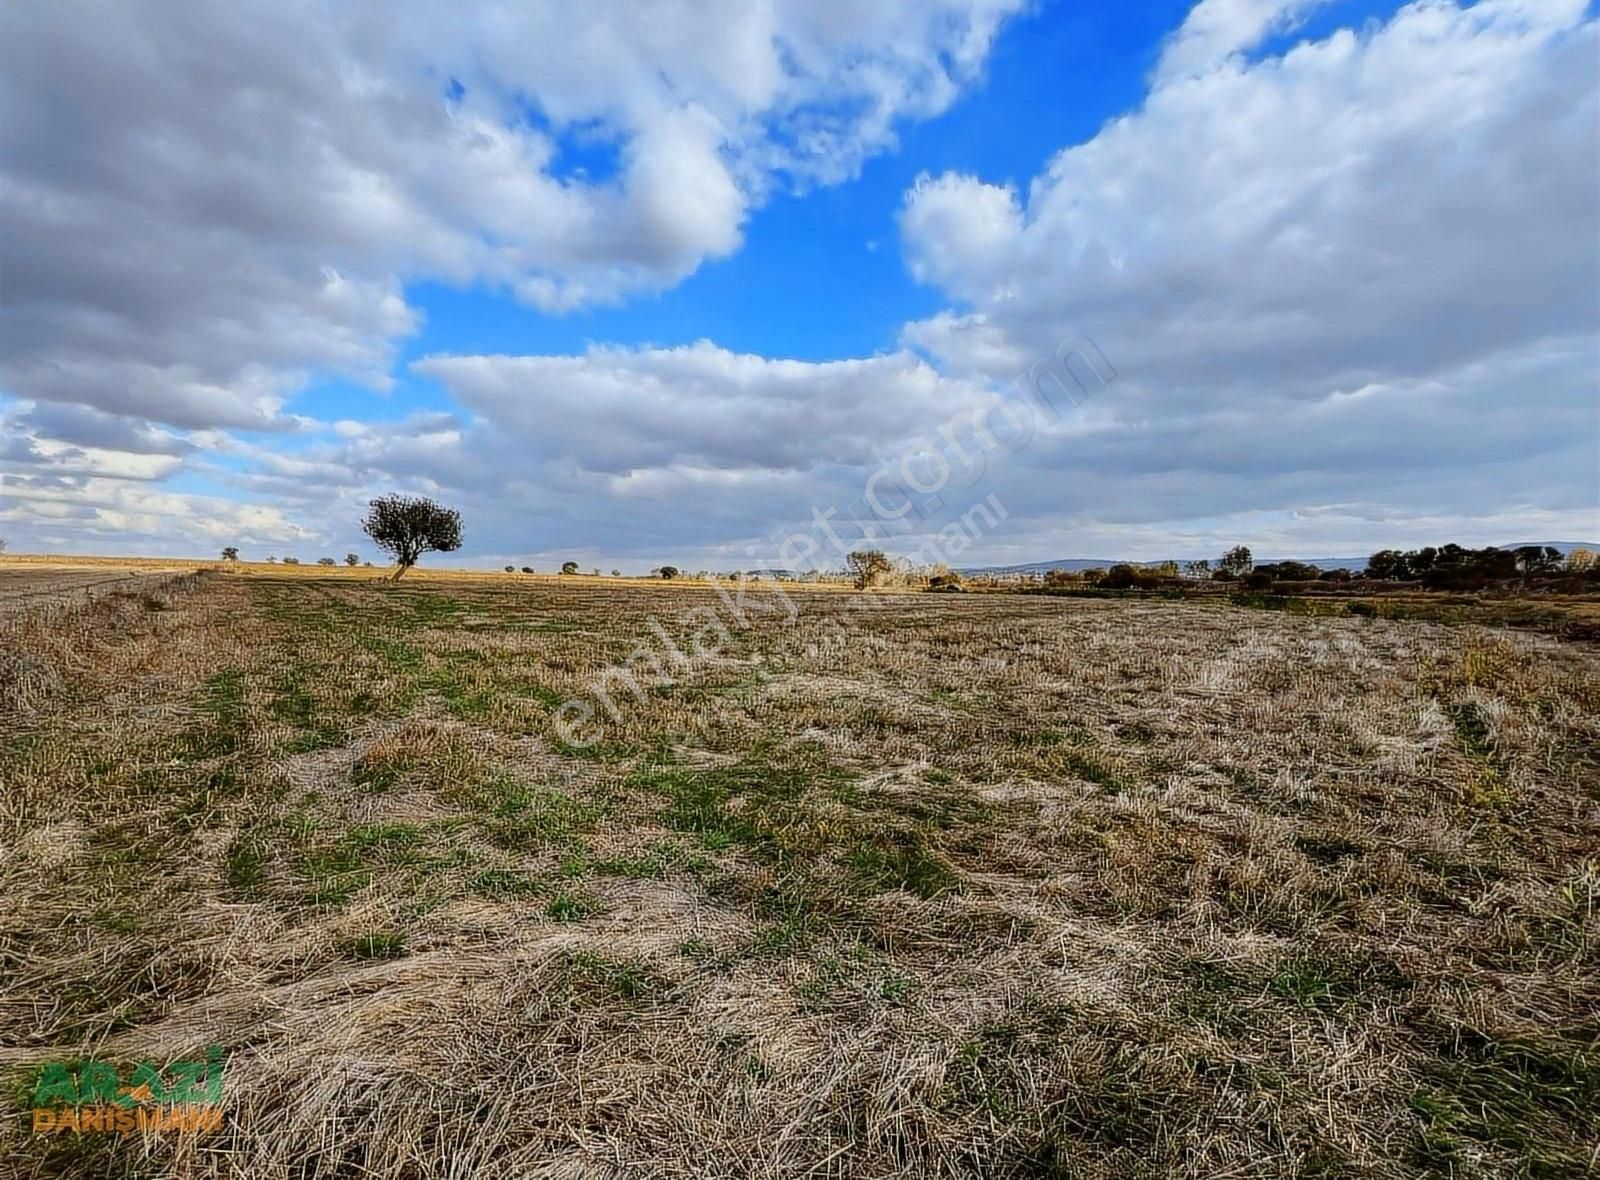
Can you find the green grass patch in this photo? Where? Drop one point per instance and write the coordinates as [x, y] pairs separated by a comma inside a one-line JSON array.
[[1536, 1099], [600, 979], [571, 907], [1323, 985], [375, 944], [902, 859], [246, 864], [503, 883]]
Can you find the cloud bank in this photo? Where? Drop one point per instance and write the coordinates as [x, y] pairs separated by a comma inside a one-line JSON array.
[[1351, 287]]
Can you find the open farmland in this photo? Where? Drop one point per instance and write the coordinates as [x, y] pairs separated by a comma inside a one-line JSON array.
[[943, 886], [26, 587]]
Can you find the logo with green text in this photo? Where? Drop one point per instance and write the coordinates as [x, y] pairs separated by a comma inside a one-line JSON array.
[[95, 1096]]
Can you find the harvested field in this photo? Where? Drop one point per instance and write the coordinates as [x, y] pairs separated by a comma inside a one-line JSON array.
[[979, 885], [24, 587]]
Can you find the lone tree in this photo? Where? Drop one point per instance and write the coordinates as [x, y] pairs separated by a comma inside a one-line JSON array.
[[1237, 561], [231, 553], [406, 527], [569, 567], [668, 572], [352, 559], [867, 566]]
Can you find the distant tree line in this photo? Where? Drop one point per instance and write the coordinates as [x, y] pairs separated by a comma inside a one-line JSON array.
[[1445, 567], [1455, 567]]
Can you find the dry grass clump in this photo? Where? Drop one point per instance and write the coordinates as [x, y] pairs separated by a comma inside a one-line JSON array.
[[55, 635], [944, 886]]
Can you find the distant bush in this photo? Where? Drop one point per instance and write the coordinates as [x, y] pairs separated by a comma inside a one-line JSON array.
[[1257, 580], [1289, 571], [527, 569], [569, 567], [291, 561], [1119, 577], [1128, 577], [511, 569], [668, 572], [326, 561]]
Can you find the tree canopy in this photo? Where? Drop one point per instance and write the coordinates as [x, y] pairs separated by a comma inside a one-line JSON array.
[[1236, 562], [406, 527]]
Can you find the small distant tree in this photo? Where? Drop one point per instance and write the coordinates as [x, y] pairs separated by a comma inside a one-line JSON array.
[[406, 527], [866, 566], [569, 567], [1197, 569], [291, 561], [668, 572], [352, 559], [1237, 561], [230, 553], [511, 569], [527, 569], [326, 561], [616, 573]]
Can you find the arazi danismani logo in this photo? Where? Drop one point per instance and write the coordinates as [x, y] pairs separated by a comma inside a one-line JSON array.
[[89, 1096]]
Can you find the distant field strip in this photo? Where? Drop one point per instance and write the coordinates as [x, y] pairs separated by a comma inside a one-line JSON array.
[[22, 587]]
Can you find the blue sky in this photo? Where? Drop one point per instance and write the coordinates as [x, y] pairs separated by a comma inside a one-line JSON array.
[[644, 289]]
